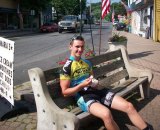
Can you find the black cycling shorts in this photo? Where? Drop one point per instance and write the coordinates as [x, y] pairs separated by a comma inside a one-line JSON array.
[[91, 95]]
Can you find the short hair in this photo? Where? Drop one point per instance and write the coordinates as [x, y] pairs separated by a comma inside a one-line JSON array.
[[76, 38]]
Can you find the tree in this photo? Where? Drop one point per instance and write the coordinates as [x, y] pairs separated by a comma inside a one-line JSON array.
[[28, 5], [65, 7], [37, 5], [96, 10], [118, 10]]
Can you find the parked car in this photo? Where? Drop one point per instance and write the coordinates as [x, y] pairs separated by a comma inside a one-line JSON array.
[[120, 26], [69, 23], [49, 27]]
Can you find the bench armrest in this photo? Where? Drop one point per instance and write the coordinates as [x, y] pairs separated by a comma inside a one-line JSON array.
[[49, 115]]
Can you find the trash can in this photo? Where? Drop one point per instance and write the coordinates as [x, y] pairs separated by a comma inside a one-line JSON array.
[[147, 33]]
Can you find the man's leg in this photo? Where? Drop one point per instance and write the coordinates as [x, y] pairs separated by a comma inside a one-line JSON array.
[[103, 113], [121, 104]]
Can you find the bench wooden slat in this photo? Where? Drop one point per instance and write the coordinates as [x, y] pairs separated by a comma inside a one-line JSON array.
[[108, 68], [132, 86], [105, 57], [115, 77], [122, 86], [52, 73], [117, 89], [83, 115], [76, 111]]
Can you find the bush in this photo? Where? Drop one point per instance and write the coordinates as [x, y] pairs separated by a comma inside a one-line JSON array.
[[117, 38]]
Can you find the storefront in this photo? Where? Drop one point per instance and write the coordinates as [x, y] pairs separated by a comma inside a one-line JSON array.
[[157, 20], [142, 18], [8, 15], [8, 18]]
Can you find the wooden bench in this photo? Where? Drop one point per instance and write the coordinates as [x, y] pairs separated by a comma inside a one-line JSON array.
[[112, 69]]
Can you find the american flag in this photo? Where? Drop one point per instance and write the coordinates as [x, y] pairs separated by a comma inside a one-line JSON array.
[[105, 7]]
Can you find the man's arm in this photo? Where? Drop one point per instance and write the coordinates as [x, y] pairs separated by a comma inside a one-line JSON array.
[[69, 91]]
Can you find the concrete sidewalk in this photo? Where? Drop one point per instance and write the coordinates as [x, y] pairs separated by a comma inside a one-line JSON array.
[[143, 53], [17, 32]]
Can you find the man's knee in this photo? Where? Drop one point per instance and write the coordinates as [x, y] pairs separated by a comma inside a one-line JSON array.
[[130, 108], [107, 116]]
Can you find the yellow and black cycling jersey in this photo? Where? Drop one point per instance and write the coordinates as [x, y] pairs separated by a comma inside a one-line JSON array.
[[76, 71]]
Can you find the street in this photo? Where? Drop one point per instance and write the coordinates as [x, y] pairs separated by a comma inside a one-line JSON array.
[[44, 50]]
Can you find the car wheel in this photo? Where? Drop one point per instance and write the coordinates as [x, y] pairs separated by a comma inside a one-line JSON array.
[[59, 30]]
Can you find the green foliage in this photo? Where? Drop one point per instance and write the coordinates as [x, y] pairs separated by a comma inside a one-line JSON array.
[[117, 38], [96, 10], [62, 7], [66, 7], [118, 10]]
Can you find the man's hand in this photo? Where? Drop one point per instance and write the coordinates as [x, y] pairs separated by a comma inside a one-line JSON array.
[[86, 82]]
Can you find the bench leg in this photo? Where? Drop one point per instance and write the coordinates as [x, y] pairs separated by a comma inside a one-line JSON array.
[[144, 90], [147, 89], [141, 91]]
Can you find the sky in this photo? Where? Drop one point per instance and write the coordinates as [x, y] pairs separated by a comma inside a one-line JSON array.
[[95, 1]]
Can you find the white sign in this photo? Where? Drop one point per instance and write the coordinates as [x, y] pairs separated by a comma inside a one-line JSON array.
[[6, 69]]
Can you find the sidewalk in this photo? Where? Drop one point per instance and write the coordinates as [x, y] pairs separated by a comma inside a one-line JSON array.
[[143, 53], [17, 32]]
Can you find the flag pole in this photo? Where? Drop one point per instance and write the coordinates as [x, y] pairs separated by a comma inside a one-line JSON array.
[[100, 31], [105, 8]]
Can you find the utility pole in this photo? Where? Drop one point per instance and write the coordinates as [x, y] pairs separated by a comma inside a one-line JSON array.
[[81, 18], [90, 7]]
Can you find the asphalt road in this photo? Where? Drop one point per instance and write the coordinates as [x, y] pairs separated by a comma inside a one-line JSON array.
[[44, 50]]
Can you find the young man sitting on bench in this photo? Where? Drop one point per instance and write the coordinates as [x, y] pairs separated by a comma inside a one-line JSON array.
[[75, 80]]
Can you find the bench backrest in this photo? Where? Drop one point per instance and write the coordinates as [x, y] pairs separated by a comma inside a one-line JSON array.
[[103, 64], [109, 66]]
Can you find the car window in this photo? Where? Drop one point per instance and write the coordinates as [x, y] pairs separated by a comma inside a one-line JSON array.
[[69, 18]]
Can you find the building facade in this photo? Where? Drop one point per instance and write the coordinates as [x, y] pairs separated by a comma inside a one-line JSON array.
[[145, 18], [8, 14], [14, 17], [157, 20], [142, 17]]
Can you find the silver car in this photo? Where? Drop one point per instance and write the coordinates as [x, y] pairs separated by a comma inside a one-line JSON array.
[[69, 23]]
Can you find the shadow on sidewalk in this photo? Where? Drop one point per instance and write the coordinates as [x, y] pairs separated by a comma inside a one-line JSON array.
[[145, 54], [140, 55]]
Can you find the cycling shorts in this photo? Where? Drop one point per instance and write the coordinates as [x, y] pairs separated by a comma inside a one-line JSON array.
[[91, 96]]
